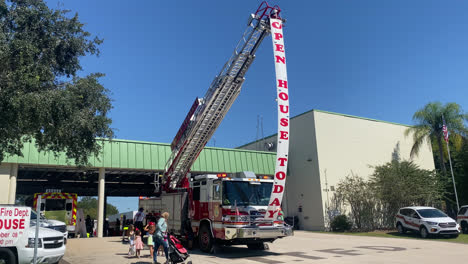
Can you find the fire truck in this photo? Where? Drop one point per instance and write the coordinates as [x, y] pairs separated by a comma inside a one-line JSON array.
[[220, 208]]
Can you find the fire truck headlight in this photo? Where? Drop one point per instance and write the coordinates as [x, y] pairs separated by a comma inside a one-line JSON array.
[[243, 218]]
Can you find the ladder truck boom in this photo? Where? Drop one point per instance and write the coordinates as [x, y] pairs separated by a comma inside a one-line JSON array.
[[206, 113]]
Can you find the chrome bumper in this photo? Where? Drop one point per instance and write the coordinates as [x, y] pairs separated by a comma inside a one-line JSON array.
[[257, 232]]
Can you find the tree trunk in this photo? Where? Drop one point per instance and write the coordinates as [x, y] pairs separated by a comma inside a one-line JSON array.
[[441, 155]]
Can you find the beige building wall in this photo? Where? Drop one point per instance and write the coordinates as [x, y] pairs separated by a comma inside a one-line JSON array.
[[325, 148], [8, 174], [347, 144]]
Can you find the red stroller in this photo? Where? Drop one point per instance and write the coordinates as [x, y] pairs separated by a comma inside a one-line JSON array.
[[177, 252]]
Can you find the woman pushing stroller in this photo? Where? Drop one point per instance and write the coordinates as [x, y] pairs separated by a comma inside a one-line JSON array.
[[160, 236]]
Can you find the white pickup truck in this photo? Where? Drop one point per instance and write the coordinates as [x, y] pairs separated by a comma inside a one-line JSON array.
[[17, 238]]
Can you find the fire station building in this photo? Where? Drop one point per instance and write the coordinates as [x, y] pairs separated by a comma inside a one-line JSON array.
[[325, 147]]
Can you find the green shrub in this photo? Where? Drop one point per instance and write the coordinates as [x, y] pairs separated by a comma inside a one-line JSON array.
[[340, 224]]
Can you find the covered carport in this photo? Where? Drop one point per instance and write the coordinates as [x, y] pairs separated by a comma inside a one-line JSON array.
[[124, 168]]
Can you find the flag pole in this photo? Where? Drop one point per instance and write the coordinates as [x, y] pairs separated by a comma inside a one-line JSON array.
[[453, 178], [450, 161]]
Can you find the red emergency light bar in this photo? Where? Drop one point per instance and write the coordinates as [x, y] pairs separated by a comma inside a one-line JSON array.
[[221, 175]]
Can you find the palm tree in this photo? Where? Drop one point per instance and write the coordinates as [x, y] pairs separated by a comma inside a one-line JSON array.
[[429, 124]]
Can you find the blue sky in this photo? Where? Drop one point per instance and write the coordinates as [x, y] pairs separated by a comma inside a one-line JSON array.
[[376, 59]]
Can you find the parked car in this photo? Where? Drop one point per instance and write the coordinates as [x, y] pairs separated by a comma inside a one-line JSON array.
[[51, 247], [426, 221], [462, 218], [51, 224]]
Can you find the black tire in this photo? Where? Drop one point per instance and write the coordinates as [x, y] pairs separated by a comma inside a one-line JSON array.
[[7, 256], [205, 239], [454, 236], [423, 232], [400, 228], [464, 227], [256, 246]]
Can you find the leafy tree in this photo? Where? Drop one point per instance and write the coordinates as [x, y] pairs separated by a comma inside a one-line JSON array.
[[90, 207], [398, 184], [429, 126], [373, 203], [42, 98], [460, 170], [357, 194]]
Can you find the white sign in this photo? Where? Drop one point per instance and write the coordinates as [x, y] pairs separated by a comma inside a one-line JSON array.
[[14, 225], [53, 190], [274, 206]]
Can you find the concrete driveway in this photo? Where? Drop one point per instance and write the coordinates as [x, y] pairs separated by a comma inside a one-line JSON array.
[[303, 247]]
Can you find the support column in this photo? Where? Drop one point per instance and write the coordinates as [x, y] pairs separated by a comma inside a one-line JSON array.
[[12, 188], [5, 173], [101, 198]]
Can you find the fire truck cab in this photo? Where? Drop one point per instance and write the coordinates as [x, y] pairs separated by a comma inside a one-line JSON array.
[[230, 209]]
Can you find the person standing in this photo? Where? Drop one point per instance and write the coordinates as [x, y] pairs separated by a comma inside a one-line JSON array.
[[131, 240], [138, 219], [160, 236], [150, 228], [106, 227], [117, 228], [138, 243], [89, 225]]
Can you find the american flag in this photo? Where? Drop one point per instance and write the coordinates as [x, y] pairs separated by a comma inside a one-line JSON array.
[[445, 131]]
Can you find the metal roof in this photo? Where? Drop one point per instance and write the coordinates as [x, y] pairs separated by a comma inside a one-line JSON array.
[[140, 155]]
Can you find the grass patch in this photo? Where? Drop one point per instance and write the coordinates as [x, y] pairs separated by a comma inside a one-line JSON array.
[[462, 238]]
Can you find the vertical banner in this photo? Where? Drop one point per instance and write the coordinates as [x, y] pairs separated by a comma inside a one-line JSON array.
[[274, 206]]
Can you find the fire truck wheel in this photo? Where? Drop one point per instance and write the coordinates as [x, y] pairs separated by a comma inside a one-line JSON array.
[[7, 256], [257, 246], [205, 240]]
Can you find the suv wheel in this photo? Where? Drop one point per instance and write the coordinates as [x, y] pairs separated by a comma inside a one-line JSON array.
[[7, 256], [423, 232], [464, 227], [400, 228]]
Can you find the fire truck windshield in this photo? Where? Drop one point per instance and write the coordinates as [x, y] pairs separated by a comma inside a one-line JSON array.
[[243, 193]]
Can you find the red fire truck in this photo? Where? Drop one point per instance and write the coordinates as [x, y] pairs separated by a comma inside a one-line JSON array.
[[221, 208]]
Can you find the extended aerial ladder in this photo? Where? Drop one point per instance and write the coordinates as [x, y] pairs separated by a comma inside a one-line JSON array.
[[206, 113]]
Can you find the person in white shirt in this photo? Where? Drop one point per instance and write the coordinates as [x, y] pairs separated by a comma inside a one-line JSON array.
[[138, 219]]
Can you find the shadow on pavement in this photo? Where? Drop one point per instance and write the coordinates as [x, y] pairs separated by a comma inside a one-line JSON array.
[[417, 236], [235, 252]]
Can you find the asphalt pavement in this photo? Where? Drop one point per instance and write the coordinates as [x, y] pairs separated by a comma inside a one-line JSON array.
[[303, 247]]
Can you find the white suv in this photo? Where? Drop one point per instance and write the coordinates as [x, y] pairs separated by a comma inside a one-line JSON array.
[[427, 221], [462, 218]]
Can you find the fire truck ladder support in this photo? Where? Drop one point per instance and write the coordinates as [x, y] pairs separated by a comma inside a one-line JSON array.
[[211, 110]]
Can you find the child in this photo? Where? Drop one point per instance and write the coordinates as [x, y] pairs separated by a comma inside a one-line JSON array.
[[150, 228], [131, 239], [138, 242]]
